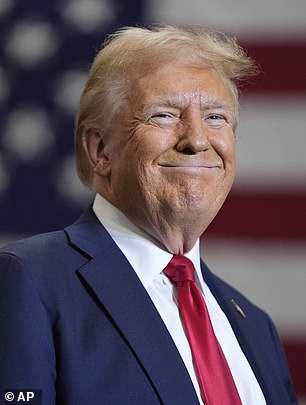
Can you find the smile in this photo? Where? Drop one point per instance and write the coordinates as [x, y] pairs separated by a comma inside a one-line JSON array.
[[191, 165]]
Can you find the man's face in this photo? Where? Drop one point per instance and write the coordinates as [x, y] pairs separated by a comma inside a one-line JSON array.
[[171, 148]]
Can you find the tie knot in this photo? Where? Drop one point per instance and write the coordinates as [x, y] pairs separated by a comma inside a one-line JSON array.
[[180, 268]]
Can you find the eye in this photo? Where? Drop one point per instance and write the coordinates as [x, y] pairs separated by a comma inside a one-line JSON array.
[[163, 115], [164, 118], [216, 120]]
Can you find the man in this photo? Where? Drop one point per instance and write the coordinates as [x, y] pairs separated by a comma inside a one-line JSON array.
[[90, 314]]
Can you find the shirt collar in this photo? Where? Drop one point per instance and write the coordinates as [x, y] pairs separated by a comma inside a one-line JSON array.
[[145, 256]]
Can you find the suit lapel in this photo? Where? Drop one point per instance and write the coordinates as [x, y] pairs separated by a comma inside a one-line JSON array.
[[140, 325], [246, 334], [121, 293]]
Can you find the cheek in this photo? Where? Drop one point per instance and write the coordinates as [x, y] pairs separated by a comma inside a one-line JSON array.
[[225, 147], [153, 142], [230, 155]]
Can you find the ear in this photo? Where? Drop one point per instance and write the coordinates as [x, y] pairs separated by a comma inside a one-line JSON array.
[[94, 146]]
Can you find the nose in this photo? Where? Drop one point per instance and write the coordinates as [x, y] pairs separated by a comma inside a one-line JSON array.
[[193, 137]]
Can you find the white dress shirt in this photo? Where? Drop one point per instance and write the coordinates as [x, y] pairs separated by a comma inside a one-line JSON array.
[[148, 260]]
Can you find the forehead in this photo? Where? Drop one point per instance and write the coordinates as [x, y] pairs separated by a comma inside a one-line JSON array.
[[182, 82]]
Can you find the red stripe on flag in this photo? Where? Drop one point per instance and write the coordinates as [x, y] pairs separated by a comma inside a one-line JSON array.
[[296, 355], [260, 215], [283, 67]]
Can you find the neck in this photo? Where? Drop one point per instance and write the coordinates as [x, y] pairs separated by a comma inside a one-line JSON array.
[[175, 238], [173, 232]]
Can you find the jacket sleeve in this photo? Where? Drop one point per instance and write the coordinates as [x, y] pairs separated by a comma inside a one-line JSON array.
[[27, 355]]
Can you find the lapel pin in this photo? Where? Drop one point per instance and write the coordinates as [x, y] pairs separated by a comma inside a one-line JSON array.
[[238, 308]]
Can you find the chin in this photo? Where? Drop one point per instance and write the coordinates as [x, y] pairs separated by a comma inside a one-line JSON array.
[[190, 207]]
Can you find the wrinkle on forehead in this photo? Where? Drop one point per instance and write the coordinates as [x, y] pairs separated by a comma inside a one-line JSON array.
[[195, 99], [204, 87], [205, 90]]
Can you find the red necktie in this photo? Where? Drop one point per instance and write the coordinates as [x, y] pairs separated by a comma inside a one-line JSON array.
[[214, 376]]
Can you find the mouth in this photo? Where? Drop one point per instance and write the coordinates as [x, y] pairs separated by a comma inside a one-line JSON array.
[[185, 165]]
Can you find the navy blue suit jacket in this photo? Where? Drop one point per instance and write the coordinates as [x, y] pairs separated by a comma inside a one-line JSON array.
[[77, 323]]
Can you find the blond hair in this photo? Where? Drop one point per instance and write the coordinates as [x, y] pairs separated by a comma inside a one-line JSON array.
[[132, 51]]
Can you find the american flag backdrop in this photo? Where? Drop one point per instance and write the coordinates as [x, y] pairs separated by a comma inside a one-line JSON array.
[[258, 241], [46, 48]]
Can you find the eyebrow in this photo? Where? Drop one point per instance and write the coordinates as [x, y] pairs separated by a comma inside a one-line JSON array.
[[163, 103], [176, 103]]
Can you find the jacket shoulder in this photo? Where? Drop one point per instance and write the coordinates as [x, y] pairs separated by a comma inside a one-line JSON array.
[[34, 247]]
